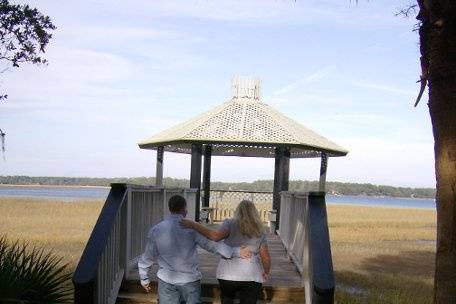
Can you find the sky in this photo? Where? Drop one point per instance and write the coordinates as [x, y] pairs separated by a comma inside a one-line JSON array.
[[121, 71]]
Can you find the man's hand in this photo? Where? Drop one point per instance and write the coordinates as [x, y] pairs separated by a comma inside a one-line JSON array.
[[266, 276], [245, 252], [147, 287]]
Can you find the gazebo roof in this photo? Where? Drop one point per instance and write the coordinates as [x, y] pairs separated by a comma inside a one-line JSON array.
[[244, 126]]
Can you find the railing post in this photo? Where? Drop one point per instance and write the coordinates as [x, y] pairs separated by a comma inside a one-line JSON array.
[[127, 231], [320, 250], [307, 268]]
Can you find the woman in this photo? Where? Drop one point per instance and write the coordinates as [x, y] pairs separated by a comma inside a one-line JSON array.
[[243, 277]]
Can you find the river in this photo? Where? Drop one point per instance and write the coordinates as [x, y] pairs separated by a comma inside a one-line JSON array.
[[72, 193]]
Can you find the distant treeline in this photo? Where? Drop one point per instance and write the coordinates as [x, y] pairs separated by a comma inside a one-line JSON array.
[[259, 185]]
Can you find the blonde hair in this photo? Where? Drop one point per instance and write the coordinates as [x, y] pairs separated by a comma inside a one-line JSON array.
[[247, 219]]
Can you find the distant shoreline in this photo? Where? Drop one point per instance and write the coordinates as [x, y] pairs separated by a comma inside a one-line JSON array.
[[108, 187], [52, 186], [332, 187], [67, 192]]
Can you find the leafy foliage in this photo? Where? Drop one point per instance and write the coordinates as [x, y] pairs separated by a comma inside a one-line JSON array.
[[31, 275], [24, 34]]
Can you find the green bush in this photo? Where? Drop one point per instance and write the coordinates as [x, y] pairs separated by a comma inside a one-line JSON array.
[[31, 275]]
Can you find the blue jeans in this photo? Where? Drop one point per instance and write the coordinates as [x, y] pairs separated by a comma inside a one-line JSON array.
[[189, 293]]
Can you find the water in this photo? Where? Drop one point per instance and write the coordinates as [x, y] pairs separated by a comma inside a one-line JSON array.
[[102, 192], [55, 192], [386, 201]]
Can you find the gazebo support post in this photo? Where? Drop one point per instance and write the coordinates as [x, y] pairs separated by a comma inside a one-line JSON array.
[[281, 179], [323, 168], [207, 175], [159, 167], [195, 176]]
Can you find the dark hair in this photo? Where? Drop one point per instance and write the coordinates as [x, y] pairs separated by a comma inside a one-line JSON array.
[[176, 203]]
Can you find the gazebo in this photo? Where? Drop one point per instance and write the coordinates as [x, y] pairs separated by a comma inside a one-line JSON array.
[[242, 126]]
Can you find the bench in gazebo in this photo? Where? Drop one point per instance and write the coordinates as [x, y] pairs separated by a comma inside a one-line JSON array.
[[244, 126]]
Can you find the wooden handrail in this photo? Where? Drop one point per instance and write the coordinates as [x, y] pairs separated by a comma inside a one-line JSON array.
[[85, 275], [304, 232]]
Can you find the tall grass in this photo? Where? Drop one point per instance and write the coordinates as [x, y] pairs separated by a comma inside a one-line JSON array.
[[61, 226], [380, 255]]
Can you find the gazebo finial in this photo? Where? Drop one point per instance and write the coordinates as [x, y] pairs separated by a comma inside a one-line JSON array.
[[246, 87]]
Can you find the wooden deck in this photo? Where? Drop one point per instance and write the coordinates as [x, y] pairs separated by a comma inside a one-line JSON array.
[[285, 285]]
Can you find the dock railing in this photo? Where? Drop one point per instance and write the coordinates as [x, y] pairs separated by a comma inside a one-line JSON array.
[[303, 229], [293, 228], [118, 239]]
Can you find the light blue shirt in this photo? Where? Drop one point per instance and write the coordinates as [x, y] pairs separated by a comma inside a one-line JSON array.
[[174, 248]]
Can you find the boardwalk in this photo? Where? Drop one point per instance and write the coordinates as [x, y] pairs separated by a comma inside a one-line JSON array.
[[285, 285]]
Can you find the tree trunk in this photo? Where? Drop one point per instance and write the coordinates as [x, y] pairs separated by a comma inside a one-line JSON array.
[[438, 50]]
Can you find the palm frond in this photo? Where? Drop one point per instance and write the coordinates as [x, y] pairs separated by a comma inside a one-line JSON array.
[[32, 275]]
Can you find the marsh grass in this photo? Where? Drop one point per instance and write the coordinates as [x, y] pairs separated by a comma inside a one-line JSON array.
[[380, 255], [61, 226]]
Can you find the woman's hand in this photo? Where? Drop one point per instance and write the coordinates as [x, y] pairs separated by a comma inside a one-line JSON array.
[[186, 223], [266, 276]]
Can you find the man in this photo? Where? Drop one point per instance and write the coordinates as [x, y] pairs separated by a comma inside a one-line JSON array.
[[174, 248]]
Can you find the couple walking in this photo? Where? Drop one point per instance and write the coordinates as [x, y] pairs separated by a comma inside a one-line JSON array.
[[243, 267]]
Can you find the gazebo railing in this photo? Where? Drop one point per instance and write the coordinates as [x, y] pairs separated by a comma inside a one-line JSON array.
[[225, 202], [118, 239]]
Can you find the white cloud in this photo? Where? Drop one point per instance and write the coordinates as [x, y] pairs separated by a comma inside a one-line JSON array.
[[71, 70], [112, 33], [390, 162], [308, 100], [311, 78], [272, 12], [77, 85], [385, 88]]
